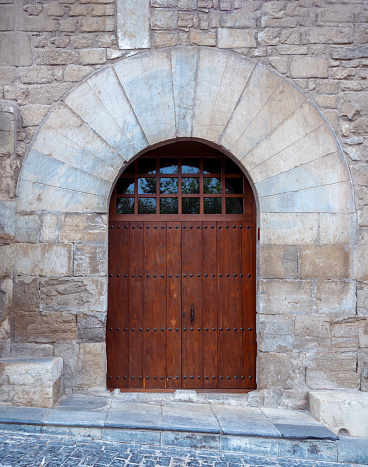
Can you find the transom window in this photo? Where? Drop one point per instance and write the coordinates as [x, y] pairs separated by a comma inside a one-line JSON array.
[[181, 179]]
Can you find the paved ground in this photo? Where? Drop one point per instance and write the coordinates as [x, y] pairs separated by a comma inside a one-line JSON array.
[[56, 451]]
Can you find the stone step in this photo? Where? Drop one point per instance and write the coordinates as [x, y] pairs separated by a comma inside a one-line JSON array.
[[216, 427]]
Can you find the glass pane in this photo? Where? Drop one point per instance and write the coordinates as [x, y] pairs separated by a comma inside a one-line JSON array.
[[125, 206], [190, 206], [212, 186], [234, 186], [146, 205], [168, 205], [190, 185], [190, 166], [212, 166], [146, 186], [212, 205], [169, 186], [125, 186], [231, 167], [234, 205], [147, 166], [168, 166]]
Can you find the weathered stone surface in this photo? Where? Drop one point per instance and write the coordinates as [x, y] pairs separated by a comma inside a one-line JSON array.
[[19, 376], [27, 294], [285, 297], [73, 294], [336, 298], [85, 364], [91, 228], [49, 228], [345, 335], [91, 327], [332, 35], [164, 19], [7, 263], [278, 262], [90, 259], [325, 262], [235, 38], [92, 56], [7, 222], [335, 229], [309, 67], [56, 57], [289, 228], [6, 299], [36, 350], [15, 49], [312, 326], [76, 72], [28, 228], [284, 371], [349, 53], [198, 37], [332, 371], [341, 410], [33, 114], [243, 18], [275, 333], [360, 266], [7, 129], [44, 259], [45, 328]]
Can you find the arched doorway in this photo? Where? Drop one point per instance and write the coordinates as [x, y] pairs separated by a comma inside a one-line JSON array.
[[182, 245]]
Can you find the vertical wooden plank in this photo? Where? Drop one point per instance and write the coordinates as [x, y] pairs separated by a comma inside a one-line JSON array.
[[249, 303], [136, 305], [230, 313], [154, 326], [192, 345], [173, 230], [209, 280], [117, 341]]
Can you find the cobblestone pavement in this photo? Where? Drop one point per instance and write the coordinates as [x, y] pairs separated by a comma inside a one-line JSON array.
[[23, 450]]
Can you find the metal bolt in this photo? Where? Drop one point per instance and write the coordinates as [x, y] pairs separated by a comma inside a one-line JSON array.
[[111, 275], [111, 329], [118, 275]]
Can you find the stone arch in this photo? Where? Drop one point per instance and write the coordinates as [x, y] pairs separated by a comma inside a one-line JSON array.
[[266, 123]]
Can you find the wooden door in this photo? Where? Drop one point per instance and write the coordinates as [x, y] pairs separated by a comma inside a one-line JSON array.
[[181, 310]]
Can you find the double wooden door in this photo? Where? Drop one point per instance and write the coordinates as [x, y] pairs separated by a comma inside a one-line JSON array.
[[181, 305]]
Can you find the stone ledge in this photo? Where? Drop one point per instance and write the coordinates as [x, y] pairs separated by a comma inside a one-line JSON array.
[[32, 382], [343, 412]]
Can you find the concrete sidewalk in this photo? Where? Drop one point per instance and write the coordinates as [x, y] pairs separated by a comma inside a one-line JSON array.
[[209, 426]]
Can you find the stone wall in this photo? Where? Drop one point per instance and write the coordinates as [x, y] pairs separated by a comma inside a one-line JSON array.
[[313, 327]]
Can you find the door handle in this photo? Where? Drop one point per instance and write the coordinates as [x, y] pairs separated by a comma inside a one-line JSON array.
[[192, 314]]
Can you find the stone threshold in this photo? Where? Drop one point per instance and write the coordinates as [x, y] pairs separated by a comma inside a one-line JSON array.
[[211, 426]]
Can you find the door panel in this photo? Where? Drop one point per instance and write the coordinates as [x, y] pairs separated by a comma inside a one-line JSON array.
[[158, 272]]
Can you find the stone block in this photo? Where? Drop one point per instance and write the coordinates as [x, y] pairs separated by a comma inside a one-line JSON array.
[[90, 228], [249, 445], [285, 297], [335, 229], [313, 449], [360, 266], [335, 298], [332, 371], [19, 350], [33, 114], [7, 131], [349, 53], [15, 49], [278, 262], [190, 440], [309, 67], [344, 411], [292, 50], [325, 262], [99, 24], [43, 259], [166, 39], [199, 37], [56, 57], [338, 13], [353, 450], [48, 328], [76, 72], [108, 89], [162, 18], [243, 18], [85, 364], [345, 337], [289, 228], [7, 75], [331, 35], [7, 222], [90, 259], [132, 436], [51, 143], [235, 38], [92, 56], [6, 300], [151, 96], [275, 333], [26, 294], [133, 30], [312, 326], [91, 327], [7, 263], [28, 228], [36, 75], [284, 371], [73, 294], [49, 228], [19, 376]]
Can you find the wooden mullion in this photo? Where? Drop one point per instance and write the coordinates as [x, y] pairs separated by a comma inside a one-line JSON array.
[[136, 186], [201, 201], [223, 200], [179, 187]]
